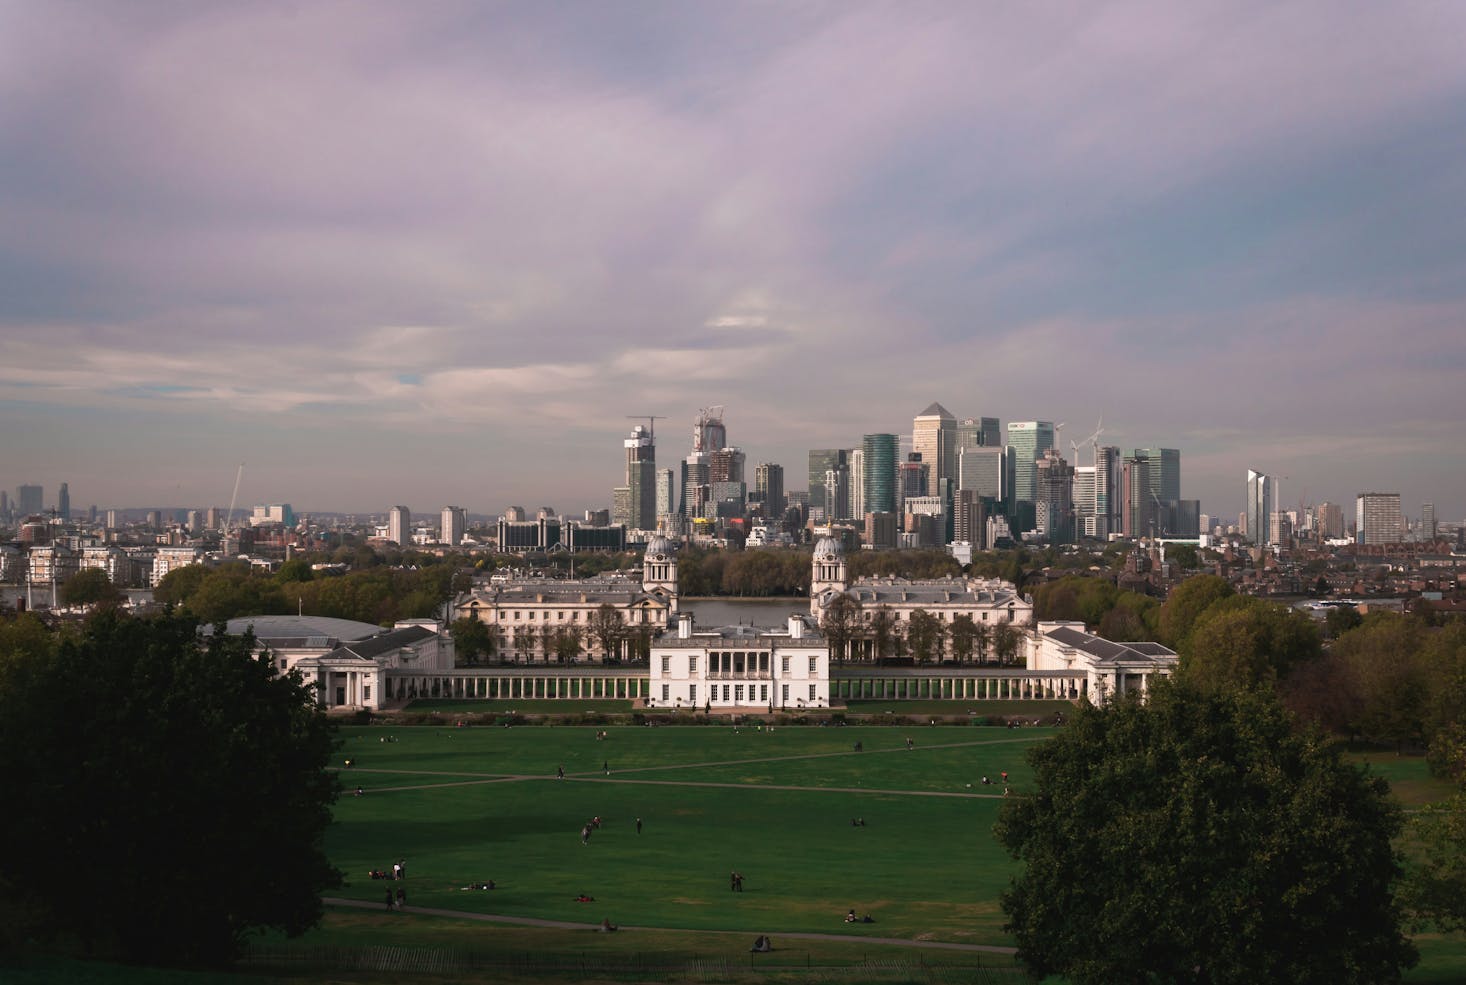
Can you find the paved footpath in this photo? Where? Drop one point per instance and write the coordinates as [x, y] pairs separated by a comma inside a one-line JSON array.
[[429, 911]]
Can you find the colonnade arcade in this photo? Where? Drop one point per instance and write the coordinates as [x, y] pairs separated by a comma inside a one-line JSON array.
[[852, 684], [507, 683]]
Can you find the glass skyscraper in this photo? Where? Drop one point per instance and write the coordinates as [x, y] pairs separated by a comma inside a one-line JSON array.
[[879, 453]]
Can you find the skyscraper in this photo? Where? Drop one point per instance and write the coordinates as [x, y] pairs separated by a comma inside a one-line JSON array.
[[664, 492], [822, 461], [1055, 503], [1138, 512], [1107, 518], [768, 481], [29, 499], [1377, 518], [1027, 441], [855, 465], [934, 437], [880, 454], [1427, 521], [1262, 500], [979, 432], [399, 526], [641, 479], [63, 502], [1165, 472], [984, 470], [454, 523]]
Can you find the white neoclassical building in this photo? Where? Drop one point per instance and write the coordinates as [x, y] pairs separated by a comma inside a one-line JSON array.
[[1110, 669], [759, 669], [989, 602], [530, 617], [349, 663]]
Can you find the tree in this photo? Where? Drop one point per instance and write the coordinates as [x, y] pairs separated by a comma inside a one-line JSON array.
[[1340, 619], [963, 632], [1435, 891], [180, 801], [982, 639], [90, 586], [567, 644], [839, 623], [1247, 642], [606, 629], [1186, 604], [472, 640], [1006, 640], [925, 634], [883, 630], [1198, 837]]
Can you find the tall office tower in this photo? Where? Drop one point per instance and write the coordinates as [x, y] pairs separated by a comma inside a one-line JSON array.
[[92, 513], [1328, 520], [155, 519], [881, 453], [641, 478], [726, 465], [1055, 503], [111, 519], [709, 434], [1427, 521], [1083, 495], [1165, 472], [1262, 503], [934, 438], [211, 518], [1280, 529], [968, 518], [1377, 518], [979, 432], [452, 524], [913, 480], [1027, 441], [621, 506], [984, 470], [822, 460], [195, 521], [768, 481], [4, 503], [664, 492], [399, 526], [695, 484], [855, 468], [63, 502], [1107, 512], [29, 499], [880, 530], [837, 494], [1138, 518]]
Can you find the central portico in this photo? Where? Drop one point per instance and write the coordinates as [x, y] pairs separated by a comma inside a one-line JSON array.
[[740, 667]]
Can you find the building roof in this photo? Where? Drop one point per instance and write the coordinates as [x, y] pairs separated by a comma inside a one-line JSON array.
[[927, 593], [936, 410], [1104, 651], [383, 644], [277, 630]]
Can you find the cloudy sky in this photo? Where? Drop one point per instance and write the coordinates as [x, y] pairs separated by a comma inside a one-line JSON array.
[[437, 253]]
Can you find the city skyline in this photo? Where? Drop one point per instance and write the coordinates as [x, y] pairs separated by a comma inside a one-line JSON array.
[[390, 255]]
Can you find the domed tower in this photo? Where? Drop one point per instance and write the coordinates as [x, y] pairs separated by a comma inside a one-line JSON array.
[[829, 569], [659, 568]]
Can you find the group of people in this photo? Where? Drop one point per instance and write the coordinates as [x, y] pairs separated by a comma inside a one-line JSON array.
[[397, 902], [857, 822], [735, 881], [591, 825], [852, 918]]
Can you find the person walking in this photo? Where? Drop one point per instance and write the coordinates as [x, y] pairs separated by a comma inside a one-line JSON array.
[[638, 825]]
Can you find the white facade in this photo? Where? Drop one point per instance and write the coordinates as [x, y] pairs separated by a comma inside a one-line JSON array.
[[170, 559], [399, 526], [454, 523], [1111, 669], [740, 667]]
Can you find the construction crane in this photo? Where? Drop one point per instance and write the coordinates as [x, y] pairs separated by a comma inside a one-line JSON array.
[[1093, 442], [229, 517], [651, 420], [1059, 436]]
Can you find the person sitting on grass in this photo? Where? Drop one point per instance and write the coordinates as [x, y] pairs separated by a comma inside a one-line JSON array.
[[583, 898], [607, 926], [850, 917]]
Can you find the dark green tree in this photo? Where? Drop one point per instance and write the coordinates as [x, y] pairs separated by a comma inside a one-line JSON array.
[[181, 800], [840, 623], [963, 632], [1340, 619], [90, 586], [1247, 642], [925, 634], [472, 640], [1186, 604], [1435, 891], [1007, 638], [1200, 838]]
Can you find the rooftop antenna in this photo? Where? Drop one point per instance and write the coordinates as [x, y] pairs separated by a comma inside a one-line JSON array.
[[651, 420]]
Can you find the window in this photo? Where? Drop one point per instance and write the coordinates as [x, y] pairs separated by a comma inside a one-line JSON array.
[[726, 691], [516, 615], [692, 665], [811, 692], [666, 665], [737, 663], [366, 692], [786, 665], [786, 694], [666, 692], [692, 694], [814, 666], [738, 694], [763, 692]]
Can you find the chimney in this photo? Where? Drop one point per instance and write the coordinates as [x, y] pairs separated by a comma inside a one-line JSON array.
[[684, 626], [796, 628]]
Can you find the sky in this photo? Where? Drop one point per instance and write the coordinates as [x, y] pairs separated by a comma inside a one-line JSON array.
[[441, 253]]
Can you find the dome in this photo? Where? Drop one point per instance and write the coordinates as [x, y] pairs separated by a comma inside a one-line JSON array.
[[659, 546], [828, 547]]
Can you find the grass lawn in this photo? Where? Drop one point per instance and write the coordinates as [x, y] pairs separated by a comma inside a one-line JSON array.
[[525, 706]]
